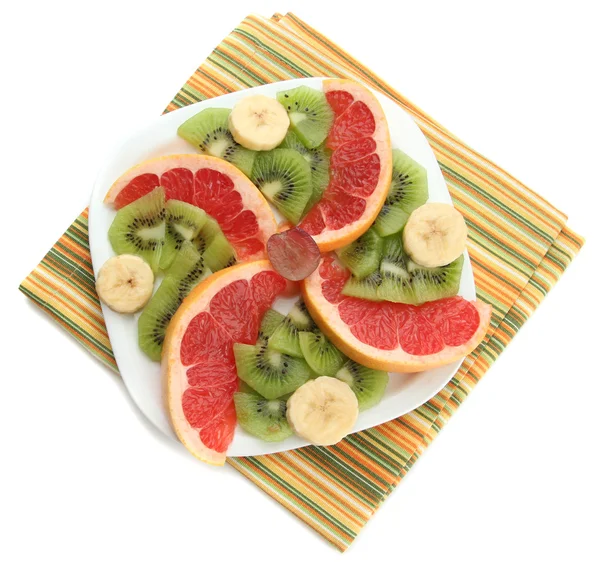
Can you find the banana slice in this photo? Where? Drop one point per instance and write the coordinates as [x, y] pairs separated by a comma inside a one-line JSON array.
[[125, 283], [323, 410], [259, 122], [435, 234]]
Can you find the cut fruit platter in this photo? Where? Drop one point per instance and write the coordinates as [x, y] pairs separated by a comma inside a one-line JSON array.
[[281, 266]]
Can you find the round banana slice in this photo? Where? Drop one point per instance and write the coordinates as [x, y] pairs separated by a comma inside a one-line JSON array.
[[259, 122], [323, 410], [125, 283], [435, 235]]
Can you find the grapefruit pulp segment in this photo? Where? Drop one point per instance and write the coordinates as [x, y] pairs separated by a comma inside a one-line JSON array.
[[198, 367], [360, 167], [212, 184], [391, 336]]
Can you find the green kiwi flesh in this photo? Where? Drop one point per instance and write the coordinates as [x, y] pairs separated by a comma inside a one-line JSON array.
[[368, 384], [186, 271], [139, 228], [270, 322], [408, 190], [363, 255], [399, 279], [284, 177], [270, 373], [262, 418], [183, 223], [285, 338], [208, 131], [310, 115], [317, 159], [213, 246], [324, 358]]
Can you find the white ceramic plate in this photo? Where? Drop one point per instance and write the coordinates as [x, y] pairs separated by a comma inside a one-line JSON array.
[[142, 377]]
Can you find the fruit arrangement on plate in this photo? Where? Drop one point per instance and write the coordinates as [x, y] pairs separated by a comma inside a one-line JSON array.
[[296, 258]]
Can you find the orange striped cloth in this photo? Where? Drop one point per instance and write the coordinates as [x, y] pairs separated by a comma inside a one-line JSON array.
[[519, 246]]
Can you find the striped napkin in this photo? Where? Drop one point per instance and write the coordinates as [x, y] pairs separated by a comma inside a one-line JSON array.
[[519, 246]]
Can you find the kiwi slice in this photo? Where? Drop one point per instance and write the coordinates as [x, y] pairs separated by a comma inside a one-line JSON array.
[[139, 228], [284, 177], [317, 159], [285, 338], [270, 373], [396, 280], [408, 190], [368, 384], [310, 115], [363, 288], [324, 358], [271, 320], [265, 419], [363, 255], [435, 283], [183, 223], [399, 279], [214, 247], [186, 271], [208, 130]]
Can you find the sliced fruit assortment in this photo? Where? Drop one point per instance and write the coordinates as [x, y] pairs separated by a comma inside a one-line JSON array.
[[187, 270], [395, 277], [391, 336], [211, 184], [387, 302], [139, 228], [289, 352], [209, 132], [332, 167], [408, 190], [360, 167], [198, 353]]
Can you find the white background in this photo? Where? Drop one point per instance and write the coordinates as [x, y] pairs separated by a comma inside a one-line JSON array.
[[512, 478]]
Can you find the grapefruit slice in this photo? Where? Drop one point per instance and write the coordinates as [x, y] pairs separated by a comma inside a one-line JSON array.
[[212, 184], [360, 167], [390, 336], [198, 366]]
